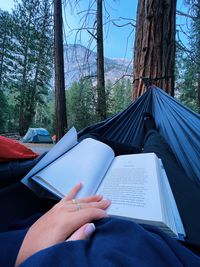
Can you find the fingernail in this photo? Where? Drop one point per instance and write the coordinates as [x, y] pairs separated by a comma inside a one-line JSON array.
[[107, 200], [89, 229]]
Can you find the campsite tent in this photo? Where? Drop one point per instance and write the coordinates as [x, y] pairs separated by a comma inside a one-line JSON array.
[[37, 135]]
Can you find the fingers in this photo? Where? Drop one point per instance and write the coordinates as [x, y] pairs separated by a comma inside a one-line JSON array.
[[73, 207], [71, 195], [103, 204], [85, 216], [85, 209], [78, 218], [82, 233], [94, 198], [73, 192], [89, 199], [92, 214]]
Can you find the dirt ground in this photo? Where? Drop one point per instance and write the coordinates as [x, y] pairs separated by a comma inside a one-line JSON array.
[[39, 148]]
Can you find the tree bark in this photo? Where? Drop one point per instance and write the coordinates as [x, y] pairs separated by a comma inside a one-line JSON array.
[[197, 22], [2, 61], [154, 50], [60, 100], [101, 101], [22, 106], [40, 57]]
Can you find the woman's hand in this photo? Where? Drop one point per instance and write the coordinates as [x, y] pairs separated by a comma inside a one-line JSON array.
[[67, 220]]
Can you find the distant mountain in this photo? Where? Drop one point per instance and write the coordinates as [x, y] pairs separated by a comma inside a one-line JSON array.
[[80, 61]]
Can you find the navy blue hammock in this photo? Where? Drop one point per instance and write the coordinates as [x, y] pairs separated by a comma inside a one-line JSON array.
[[179, 126]]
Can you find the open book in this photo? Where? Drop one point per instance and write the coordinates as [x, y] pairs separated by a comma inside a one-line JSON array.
[[136, 184]]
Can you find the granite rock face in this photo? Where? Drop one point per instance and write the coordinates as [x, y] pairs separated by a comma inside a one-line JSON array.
[[80, 61]]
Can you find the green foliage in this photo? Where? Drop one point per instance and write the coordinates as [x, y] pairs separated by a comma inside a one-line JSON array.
[[26, 60], [120, 96], [6, 50], [82, 99], [13, 113], [81, 104], [32, 20], [3, 111], [186, 83], [188, 64], [45, 115]]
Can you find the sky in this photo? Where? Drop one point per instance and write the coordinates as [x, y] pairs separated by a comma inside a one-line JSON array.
[[118, 41]]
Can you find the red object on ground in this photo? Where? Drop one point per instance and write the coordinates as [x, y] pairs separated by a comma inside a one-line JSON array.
[[13, 150], [54, 138]]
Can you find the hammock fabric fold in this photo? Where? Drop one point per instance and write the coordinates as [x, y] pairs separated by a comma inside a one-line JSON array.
[[176, 123]]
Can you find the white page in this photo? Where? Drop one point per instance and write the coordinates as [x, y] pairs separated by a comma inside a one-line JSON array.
[[68, 141], [171, 202], [132, 185], [166, 208], [87, 163]]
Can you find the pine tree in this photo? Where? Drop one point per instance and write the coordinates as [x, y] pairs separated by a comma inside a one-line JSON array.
[[118, 95], [121, 96], [3, 111], [109, 98], [42, 60], [128, 93], [188, 64], [6, 50], [81, 104], [33, 57], [186, 81], [194, 6]]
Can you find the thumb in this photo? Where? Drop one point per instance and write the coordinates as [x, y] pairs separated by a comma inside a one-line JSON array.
[[84, 232]]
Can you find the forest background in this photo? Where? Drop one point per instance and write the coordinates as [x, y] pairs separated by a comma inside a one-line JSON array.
[[26, 66]]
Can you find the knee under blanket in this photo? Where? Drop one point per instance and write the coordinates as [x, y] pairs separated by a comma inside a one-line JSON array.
[[114, 243]]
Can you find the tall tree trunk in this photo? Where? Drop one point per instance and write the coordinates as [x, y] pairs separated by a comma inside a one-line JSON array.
[[60, 100], [22, 102], [154, 50], [33, 102], [2, 61], [198, 91], [197, 22], [101, 101], [198, 56], [22, 127]]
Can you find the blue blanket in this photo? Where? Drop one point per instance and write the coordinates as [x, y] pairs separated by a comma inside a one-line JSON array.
[[114, 243]]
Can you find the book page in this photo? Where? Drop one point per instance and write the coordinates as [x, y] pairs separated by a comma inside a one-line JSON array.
[[87, 163], [132, 185], [171, 202], [66, 143], [165, 202]]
